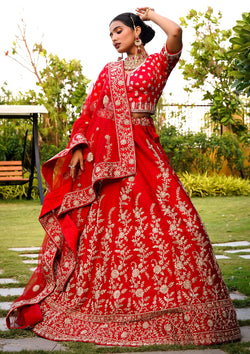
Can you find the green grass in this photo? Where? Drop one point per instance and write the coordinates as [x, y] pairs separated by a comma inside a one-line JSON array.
[[19, 223], [19, 227], [233, 348], [226, 219]]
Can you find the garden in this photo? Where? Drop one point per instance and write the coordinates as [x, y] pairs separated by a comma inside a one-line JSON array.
[[213, 167]]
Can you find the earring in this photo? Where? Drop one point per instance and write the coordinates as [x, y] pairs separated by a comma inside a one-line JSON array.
[[138, 44]]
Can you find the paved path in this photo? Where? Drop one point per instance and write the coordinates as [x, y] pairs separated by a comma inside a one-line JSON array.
[[37, 343], [16, 345]]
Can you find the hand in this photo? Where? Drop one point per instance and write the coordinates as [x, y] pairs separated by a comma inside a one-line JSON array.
[[76, 160], [143, 12]]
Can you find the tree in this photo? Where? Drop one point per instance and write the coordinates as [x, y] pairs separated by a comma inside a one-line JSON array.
[[64, 90], [62, 86], [241, 52], [209, 70]]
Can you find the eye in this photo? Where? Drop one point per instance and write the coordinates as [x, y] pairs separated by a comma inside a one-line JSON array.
[[120, 31]]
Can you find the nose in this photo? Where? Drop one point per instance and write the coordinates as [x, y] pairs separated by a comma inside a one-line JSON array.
[[114, 38]]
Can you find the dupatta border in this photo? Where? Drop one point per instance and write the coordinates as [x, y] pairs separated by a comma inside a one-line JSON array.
[[126, 164]]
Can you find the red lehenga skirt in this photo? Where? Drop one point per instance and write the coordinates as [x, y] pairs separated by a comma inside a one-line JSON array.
[[144, 271]]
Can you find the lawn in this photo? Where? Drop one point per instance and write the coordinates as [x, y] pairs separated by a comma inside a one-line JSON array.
[[226, 219]]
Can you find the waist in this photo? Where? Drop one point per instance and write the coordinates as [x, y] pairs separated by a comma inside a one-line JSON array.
[[137, 118], [140, 115], [145, 120]]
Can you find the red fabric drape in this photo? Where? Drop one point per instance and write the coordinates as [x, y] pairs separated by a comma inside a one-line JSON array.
[[126, 259]]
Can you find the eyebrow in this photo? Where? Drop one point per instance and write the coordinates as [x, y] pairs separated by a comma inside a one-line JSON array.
[[120, 26]]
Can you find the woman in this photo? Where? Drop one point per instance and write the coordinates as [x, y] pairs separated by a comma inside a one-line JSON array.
[[126, 259]]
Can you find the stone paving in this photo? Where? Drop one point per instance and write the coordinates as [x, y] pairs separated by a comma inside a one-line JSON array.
[[37, 343], [17, 345]]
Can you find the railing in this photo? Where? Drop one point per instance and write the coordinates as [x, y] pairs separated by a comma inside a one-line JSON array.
[[193, 117]]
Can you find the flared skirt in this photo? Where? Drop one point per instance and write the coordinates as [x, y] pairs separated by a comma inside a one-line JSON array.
[[144, 271]]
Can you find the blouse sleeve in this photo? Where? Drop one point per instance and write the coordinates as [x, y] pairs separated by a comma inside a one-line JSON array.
[[169, 60]]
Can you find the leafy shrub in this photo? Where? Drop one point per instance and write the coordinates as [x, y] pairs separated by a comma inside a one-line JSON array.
[[198, 153], [20, 191], [11, 141], [48, 151], [17, 192], [198, 185], [240, 50]]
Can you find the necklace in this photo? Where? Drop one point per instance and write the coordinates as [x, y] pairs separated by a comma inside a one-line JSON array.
[[131, 63]]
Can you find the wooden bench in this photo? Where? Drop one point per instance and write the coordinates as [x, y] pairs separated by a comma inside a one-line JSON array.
[[11, 172]]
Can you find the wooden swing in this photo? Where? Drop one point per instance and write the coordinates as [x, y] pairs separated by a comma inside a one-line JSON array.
[[11, 172]]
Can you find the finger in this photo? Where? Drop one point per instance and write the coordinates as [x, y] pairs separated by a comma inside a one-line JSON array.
[[81, 164], [141, 9], [73, 173]]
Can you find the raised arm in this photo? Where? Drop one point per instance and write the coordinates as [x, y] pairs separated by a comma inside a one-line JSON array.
[[172, 29]]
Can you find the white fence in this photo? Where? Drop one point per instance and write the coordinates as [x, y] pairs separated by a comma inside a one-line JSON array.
[[193, 117]]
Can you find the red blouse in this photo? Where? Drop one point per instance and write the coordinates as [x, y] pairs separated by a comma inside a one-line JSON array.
[[146, 83]]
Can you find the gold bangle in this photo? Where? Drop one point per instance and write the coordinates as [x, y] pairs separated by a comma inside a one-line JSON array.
[[148, 9]]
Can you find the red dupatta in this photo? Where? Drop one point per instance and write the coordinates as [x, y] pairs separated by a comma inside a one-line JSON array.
[[104, 130], [106, 115]]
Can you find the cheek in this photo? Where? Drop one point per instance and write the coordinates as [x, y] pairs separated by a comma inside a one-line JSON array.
[[129, 39]]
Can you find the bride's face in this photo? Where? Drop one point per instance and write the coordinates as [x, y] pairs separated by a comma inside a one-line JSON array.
[[123, 37]]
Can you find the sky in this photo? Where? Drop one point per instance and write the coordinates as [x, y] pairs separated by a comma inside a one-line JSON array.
[[80, 29]]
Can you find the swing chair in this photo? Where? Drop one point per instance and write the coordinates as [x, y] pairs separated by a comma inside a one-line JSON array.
[[11, 172]]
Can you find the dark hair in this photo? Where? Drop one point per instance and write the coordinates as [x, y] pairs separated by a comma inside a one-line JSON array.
[[131, 20]]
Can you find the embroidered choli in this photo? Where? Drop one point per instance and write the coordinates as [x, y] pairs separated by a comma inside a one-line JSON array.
[[146, 83]]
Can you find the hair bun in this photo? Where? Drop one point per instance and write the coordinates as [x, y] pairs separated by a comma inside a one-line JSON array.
[[131, 20]]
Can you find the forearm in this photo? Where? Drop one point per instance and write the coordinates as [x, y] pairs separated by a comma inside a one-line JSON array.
[[172, 30]]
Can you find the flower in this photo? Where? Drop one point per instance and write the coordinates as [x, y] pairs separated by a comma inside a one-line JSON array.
[[210, 323], [114, 273], [117, 294], [187, 284], [79, 291], [164, 289], [36, 288], [97, 294], [135, 272], [157, 269], [139, 293]]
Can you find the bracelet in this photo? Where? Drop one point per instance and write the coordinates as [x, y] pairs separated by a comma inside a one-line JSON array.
[[148, 9]]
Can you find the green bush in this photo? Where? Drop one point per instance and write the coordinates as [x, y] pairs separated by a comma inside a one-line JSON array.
[[11, 141], [197, 185], [20, 191], [48, 151], [198, 153]]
